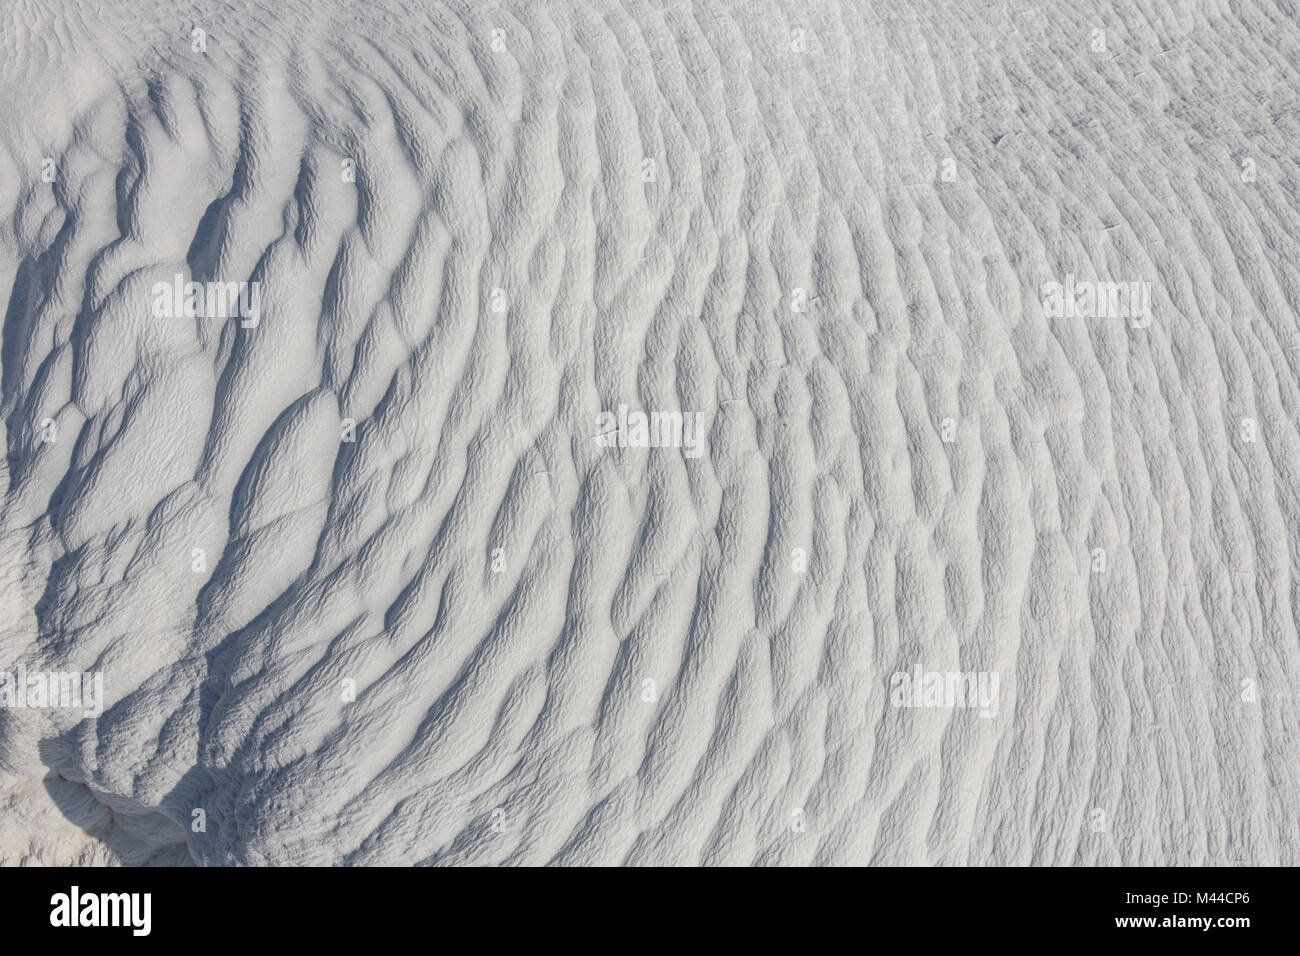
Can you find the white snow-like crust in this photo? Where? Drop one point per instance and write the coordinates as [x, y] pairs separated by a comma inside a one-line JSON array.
[[368, 581]]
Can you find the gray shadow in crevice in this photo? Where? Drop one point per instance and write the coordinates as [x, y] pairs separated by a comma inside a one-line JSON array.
[[130, 839]]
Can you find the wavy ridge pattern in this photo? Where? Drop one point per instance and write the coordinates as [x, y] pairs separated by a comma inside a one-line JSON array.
[[499, 587]]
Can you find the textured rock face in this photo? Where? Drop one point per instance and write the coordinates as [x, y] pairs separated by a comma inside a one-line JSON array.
[[384, 568]]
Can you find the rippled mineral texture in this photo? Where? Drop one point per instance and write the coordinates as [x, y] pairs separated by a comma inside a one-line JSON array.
[[649, 433]]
